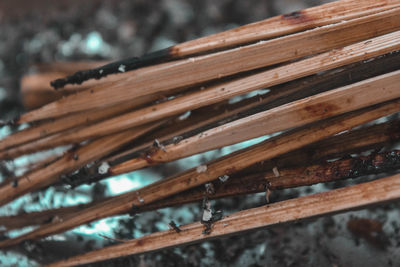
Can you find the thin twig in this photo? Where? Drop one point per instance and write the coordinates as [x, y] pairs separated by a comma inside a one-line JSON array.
[[269, 28], [204, 68], [71, 161], [293, 114], [205, 118], [339, 200], [51, 127], [223, 166], [253, 179]]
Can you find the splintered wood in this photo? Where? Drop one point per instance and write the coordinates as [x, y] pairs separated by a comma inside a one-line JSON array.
[[330, 72]]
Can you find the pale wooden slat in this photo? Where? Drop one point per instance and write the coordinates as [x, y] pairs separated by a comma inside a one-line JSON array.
[[338, 200], [225, 165], [269, 28], [284, 117], [71, 161], [349, 54], [195, 70], [54, 126]]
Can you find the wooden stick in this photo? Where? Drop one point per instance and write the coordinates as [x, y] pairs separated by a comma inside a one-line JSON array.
[[347, 55], [71, 161], [285, 24], [269, 28], [286, 93], [233, 186], [337, 170], [36, 90], [203, 68], [310, 109], [355, 141], [338, 200], [350, 142], [51, 127], [223, 166]]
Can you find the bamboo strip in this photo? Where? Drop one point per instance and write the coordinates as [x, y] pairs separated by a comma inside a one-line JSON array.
[[285, 24], [51, 127], [238, 185], [273, 27], [374, 136], [355, 141], [225, 165], [214, 66], [339, 200], [285, 93], [71, 161], [326, 61], [294, 114]]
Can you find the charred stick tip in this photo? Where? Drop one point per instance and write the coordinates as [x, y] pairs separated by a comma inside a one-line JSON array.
[[115, 67]]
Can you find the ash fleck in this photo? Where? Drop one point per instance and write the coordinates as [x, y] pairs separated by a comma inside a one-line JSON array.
[[276, 171], [121, 68], [56, 219], [75, 157], [184, 116], [267, 194], [103, 168], [209, 217], [157, 144], [141, 200], [224, 178], [207, 214], [201, 168], [101, 71], [210, 190], [177, 139]]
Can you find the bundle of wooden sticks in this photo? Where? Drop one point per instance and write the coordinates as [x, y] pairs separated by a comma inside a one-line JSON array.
[[329, 70]]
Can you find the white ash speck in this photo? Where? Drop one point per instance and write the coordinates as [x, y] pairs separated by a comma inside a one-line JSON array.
[[101, 71], [267, 194], [56, 219], [157, 144], [177, 139], [276, 171], [224, 178], [210, 188], [185, 115], [90, 164], [141, 200], [103, 168], [121, 68], [201, 168], [207, 214]]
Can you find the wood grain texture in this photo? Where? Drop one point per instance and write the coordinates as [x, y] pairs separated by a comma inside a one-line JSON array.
[[215, 66], [71, 161], [225, 165], [293, 114], [338, 200]]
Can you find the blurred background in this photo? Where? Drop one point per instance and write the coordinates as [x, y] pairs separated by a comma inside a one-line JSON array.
[[44, 31]]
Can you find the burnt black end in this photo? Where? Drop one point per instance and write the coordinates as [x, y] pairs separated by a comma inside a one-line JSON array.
[[115, 67]]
